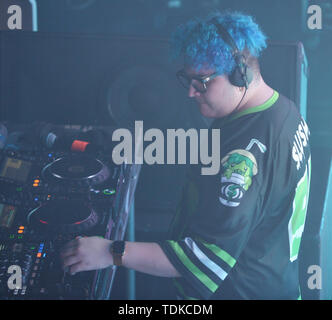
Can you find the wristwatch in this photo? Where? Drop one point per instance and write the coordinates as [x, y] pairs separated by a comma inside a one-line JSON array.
[[117, 249]]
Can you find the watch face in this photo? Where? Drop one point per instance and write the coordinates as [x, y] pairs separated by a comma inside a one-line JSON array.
[[118, 247]]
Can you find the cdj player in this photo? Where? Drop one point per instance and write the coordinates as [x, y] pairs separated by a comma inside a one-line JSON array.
[[48, 198]]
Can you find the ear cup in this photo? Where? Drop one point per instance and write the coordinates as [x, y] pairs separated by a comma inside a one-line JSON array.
[[241, 76]]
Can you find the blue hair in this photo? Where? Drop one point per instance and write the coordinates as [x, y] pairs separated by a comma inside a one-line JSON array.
[[200, 44]]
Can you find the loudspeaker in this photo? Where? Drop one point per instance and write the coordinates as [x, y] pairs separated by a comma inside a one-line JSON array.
[[77, 79], [284, 66]]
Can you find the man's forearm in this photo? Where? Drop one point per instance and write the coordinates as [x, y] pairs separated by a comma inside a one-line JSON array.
[[91, 253], [149, 258]]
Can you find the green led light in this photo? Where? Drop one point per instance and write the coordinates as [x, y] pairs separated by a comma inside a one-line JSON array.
[[12, 236], [19, 189], [108, 192]]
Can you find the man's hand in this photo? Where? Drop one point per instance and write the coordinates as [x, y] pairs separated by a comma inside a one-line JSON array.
[[91, 253], [83, 254]]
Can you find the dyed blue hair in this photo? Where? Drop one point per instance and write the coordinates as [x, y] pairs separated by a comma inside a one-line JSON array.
[[200, 44]]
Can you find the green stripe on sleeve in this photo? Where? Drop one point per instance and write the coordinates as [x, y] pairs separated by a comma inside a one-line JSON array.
[[222, 254], [191, 267]]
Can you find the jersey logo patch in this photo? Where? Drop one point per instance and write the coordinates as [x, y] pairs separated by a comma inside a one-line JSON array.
[[238, 168]]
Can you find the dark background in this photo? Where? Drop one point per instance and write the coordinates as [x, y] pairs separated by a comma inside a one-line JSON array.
[[281, 20], [284, 20]]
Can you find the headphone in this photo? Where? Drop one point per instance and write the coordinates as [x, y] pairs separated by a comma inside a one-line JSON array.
[[242, 75]]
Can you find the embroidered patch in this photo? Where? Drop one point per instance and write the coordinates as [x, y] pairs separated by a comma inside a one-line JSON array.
[[238, 168]]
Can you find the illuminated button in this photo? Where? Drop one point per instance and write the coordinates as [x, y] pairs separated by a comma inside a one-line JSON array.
[[108, 192], [20, 237], [20, 231], [39, 254], [35, 185], [21, 227]]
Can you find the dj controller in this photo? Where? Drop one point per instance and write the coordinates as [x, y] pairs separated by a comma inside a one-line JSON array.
[[48, 198]]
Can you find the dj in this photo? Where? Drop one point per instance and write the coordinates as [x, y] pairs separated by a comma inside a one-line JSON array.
[[237, 234]]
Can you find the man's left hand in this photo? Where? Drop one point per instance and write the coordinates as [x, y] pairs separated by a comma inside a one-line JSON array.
[[83, 254]]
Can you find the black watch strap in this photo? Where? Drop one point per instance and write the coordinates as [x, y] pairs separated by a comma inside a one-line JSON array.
[[117, 249]]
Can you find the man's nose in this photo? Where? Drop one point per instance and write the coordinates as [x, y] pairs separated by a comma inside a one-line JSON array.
[[192, 92]]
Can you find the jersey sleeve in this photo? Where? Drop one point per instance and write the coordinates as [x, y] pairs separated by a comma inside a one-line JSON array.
[[229, 209]]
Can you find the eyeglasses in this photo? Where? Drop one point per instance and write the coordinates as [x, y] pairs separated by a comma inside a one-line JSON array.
[[199, 83]]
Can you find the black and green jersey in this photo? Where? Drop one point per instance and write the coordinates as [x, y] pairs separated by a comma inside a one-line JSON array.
[[239, 232]]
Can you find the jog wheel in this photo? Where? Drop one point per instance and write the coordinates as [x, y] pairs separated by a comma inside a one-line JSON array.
[[76, 170], [63, 217]]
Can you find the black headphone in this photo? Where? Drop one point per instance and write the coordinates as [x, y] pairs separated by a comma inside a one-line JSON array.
[[242, 75]]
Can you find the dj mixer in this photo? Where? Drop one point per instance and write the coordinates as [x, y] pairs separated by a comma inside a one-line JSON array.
[[48, 198]]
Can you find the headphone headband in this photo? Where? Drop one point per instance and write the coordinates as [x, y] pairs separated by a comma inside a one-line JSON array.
[[224, 34], [242, 74]]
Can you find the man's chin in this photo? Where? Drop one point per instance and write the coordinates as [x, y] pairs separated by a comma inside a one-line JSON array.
[[206, 111], [210, 112]]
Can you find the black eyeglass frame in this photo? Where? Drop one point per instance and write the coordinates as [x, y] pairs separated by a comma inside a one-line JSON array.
[[203, 80]]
